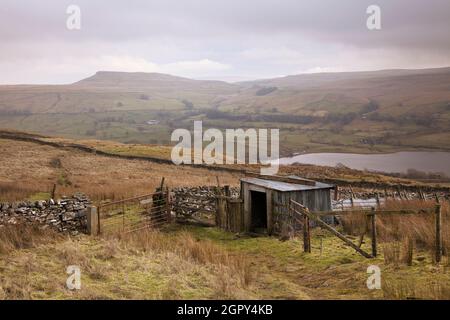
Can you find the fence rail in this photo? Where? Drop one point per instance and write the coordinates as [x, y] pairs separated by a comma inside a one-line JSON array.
[[303, 214]]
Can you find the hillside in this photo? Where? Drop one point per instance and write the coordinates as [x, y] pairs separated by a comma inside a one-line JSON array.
[[179, 261], [149, 82], [376, 111], [31, 164]]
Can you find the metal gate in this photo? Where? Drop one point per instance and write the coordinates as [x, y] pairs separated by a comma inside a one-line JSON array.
[[132, 214]]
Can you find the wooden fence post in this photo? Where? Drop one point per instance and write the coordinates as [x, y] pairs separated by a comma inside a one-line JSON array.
[[410, 251], [306, 234], [168, 209], [374, 232], [334, 231], [92, 221], [52, 196], [336, 193], [221, 214], [438, 233]]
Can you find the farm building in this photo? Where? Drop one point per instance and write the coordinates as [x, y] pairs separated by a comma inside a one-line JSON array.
[[266, 199]]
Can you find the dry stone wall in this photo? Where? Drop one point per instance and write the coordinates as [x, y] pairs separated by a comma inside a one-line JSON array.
[[67, 214], [188, 201]]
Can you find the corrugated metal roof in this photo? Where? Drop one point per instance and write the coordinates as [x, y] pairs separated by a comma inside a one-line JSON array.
[[285, 186]]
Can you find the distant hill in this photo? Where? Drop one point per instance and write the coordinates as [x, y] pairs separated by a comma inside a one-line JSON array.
[[148, 81], [108, 91], [386, 107], [395, 91]]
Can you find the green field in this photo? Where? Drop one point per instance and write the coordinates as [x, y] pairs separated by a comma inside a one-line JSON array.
[[132, 127], [365, 112]]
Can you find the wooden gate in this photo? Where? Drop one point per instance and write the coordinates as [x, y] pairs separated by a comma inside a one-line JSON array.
[[230, 214], [132, 214]]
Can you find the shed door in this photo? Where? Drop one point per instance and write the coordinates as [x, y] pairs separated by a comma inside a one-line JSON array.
[[259, 210]]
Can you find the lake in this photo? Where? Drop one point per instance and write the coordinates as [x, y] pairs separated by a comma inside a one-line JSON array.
[[390, 162]]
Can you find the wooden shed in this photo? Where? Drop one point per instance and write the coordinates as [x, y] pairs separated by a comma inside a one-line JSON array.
[[266, 199]]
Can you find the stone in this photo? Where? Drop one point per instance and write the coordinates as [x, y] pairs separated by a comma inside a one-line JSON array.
[[66, 215]]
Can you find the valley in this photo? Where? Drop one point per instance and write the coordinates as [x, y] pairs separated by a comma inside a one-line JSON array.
[[361, 112]]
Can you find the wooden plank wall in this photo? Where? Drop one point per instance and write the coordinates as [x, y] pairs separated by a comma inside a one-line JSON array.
[[235, 215], [314, 200]]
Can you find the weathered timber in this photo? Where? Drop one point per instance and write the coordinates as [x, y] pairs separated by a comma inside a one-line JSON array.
[[92, 221], [305, 182], [369, 212], [373, 220], [53, 193], [438, 234], [332, 230], [336, 193], [306, 235]]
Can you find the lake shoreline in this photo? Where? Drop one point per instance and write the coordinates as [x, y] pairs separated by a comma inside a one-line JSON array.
[[389, 162]]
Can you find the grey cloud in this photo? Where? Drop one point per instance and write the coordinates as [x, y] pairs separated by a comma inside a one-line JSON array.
[[306, 34]]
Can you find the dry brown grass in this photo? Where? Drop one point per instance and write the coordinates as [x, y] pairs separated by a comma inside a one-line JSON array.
[[354, 223], [397, 253], [399, 289], [31, 166], [11, 191], [419, 228], [187, 247], [15, 237], [401, 234], [146, 264]]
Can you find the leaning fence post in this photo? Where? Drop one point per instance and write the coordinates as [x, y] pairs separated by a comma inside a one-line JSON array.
[[92, 221], [374, 232], [438, 233]]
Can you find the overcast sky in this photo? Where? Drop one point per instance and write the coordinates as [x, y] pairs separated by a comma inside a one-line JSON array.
[[208, 39]]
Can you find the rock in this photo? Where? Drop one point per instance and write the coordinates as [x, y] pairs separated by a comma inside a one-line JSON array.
[[67, 215], [188, 201]]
